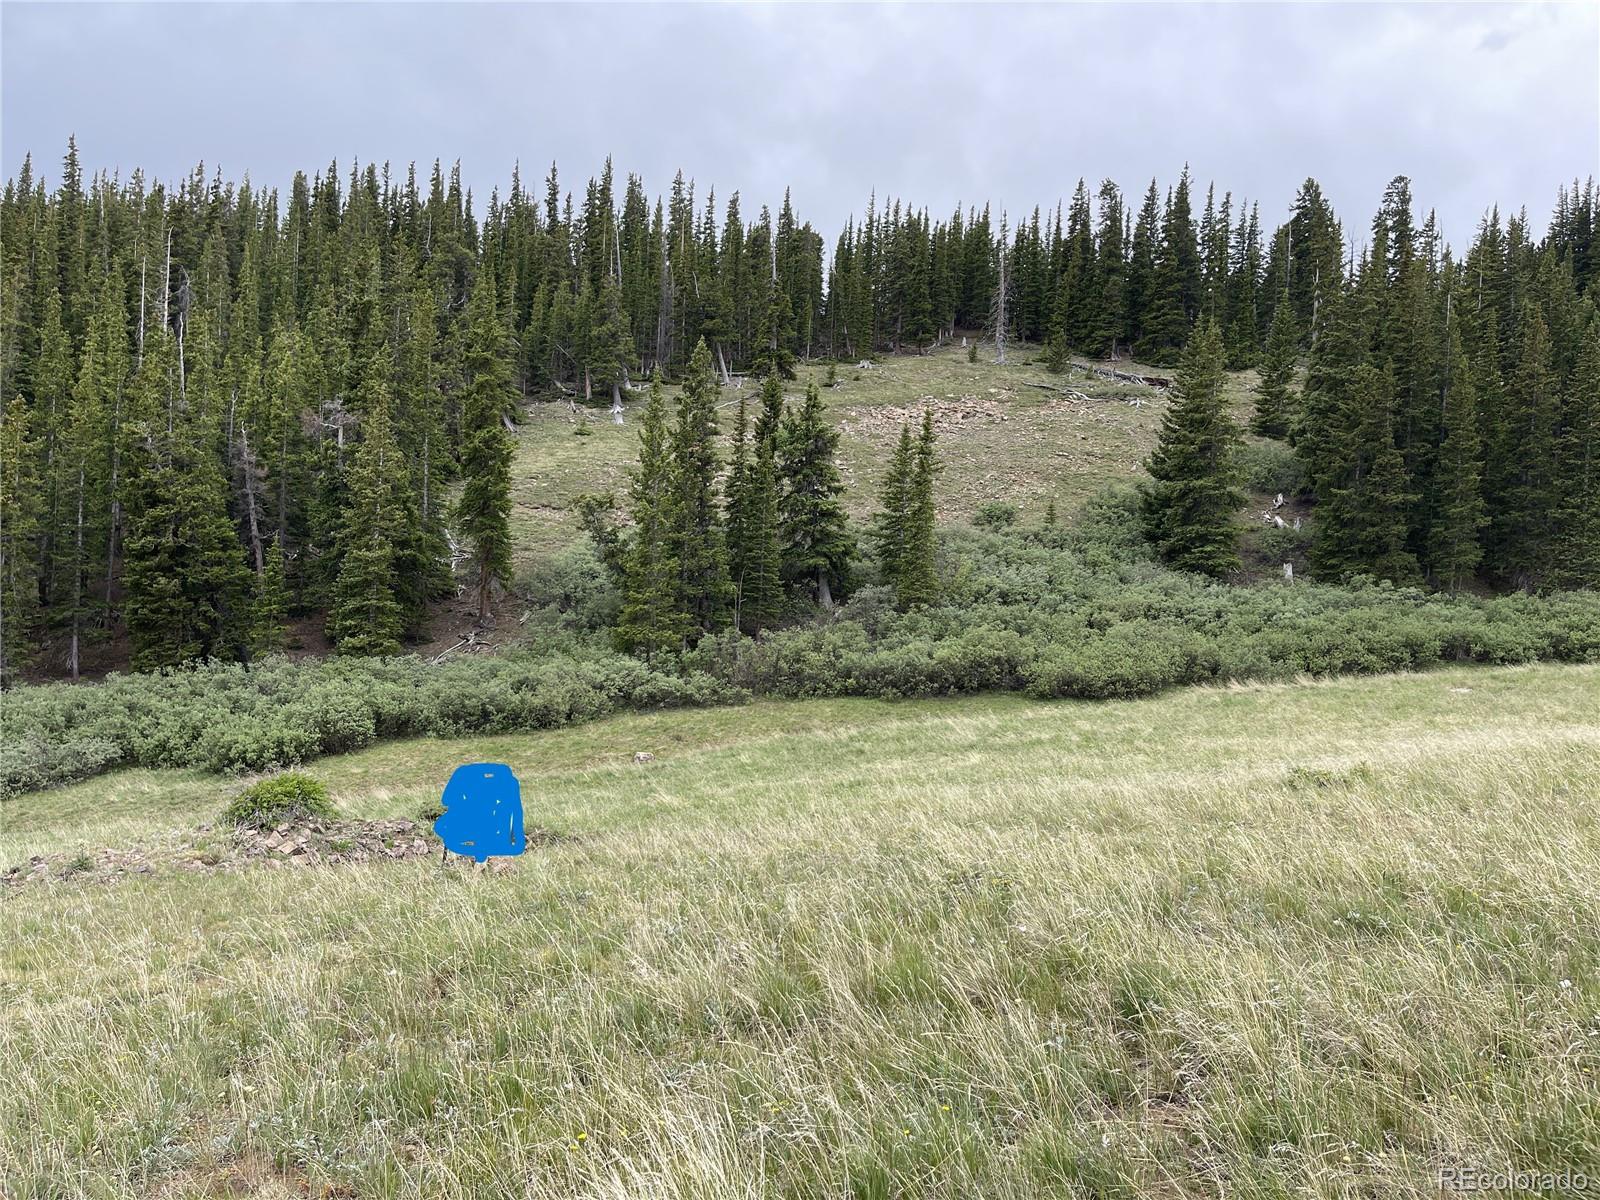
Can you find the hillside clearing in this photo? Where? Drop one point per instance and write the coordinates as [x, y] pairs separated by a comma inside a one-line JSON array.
[[1002, 439], [1320, 938]]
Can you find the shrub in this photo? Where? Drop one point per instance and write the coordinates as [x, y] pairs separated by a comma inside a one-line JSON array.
[[1271, 467], [269, 802], [40, 762], [996, 514], [1080, 611]]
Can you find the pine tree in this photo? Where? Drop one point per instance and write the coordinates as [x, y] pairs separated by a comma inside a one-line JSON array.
[[735, 494], [1140, 283], [761, 587], [484, 510], [1274, 395], [1453, 548], [889, 531], [270, 611], [85, 447], [1056, 354], [917, 579], [612, 348], [1362, 500], [652, 621], [19, 584], [751, 502], [184, 575], [366, 616], [817, 545], [1189, 510], [1527, 524], [770, 419], [1577, 549], [52, 395], [697, 540]]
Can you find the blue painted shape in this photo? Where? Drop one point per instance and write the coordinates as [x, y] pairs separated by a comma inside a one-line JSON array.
[[482, 811]]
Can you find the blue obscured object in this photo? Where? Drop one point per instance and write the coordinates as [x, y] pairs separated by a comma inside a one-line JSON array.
[[482, 811]]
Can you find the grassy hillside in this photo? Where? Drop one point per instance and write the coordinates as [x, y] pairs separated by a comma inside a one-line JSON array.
[[1316, 939], [1003, 439]]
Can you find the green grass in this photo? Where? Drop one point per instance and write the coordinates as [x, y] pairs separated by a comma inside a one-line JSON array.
[[1000, 438], [1260, 941]]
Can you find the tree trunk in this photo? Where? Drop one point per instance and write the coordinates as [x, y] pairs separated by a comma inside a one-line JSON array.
[[616, 403], [824, 592]]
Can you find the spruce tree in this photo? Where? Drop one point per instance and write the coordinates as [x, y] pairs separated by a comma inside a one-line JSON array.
[[1453, 548], [816, 543], [762, 585], [366, 617], [697, 540], [770, 419], [735, 487], [19, 584], [1527, 521], [1189, 509], [917, 577], [612, 347], [85, 450], [753, 558], [1274, 394], [889, 530], [270, 611], [1577, 543], [1362, 500], [184, 574], [484, 509], [652, 622]]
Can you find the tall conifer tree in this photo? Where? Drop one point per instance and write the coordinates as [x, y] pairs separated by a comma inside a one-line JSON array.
[[484, 510], [816, 542], [1189, 510], [917, 576], [652, 621], [698, 536], [1274, 394], [1453, 548]]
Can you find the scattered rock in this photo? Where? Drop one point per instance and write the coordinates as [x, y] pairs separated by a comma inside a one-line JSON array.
[[313, 843]]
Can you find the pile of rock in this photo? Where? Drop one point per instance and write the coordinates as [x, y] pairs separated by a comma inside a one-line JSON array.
[[300, 844], [303, 843]]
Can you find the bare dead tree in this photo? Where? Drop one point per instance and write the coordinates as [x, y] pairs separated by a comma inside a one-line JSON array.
[[249, 470], [1000, 304]]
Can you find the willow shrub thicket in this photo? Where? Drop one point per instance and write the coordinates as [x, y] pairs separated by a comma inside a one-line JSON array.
[[1079, 612]]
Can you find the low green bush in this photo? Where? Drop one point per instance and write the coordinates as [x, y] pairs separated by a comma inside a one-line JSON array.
[[225, 717], [996, 514], [1078, 610], [1271, 467], [287, 797]]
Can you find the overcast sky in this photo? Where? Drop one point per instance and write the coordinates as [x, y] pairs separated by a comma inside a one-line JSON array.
[[1479, 104]]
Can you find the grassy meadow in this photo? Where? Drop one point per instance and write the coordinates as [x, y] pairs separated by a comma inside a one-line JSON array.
[[1314, 939]]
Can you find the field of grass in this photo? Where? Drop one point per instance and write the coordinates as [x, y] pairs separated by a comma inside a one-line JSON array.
[[1323, 939], [1002, 439]]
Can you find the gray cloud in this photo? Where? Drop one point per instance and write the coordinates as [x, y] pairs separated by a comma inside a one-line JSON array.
[[936, 104]]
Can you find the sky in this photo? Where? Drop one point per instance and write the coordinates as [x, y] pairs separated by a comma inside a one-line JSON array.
[[1479, 104]]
